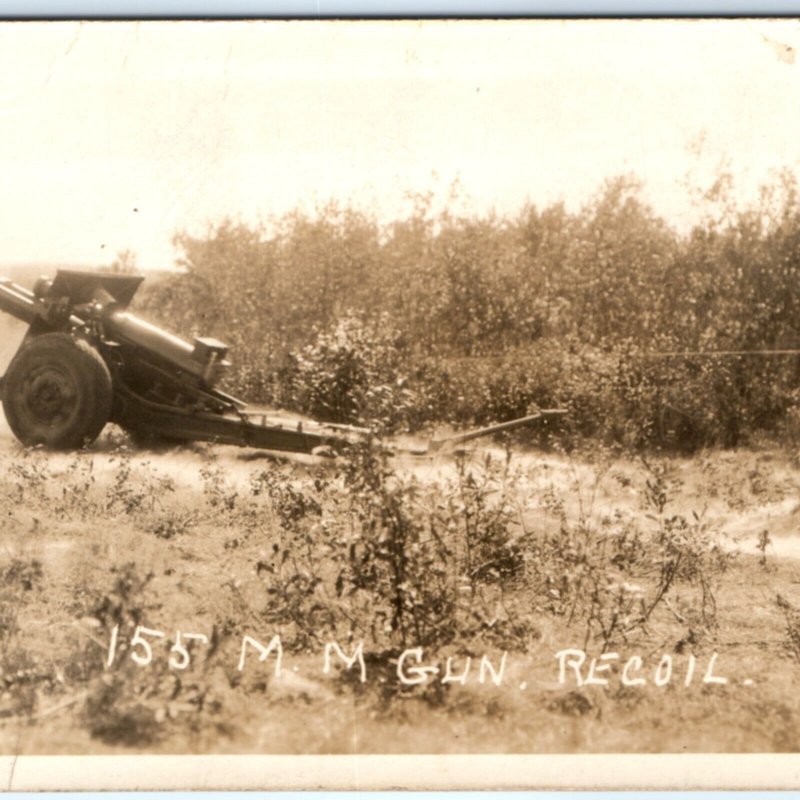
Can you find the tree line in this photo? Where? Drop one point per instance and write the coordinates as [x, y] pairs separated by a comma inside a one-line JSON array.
[[439, 317]]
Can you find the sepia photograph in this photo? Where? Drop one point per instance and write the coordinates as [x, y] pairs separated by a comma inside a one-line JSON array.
[[412, 388]]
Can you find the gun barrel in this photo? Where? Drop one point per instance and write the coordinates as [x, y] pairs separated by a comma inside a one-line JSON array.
[[17, 301], [204, 359]]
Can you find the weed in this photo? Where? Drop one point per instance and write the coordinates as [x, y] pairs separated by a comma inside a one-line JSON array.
[[611, 575], [791, 616], [173, 522], [29, 477], [764, 541], [290, 502], [17, 580], [492, 552], [217, 490], [21, 673], [77, 483], [134, 490]]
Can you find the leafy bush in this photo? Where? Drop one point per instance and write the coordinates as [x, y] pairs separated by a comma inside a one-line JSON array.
[[376, 556], [380, 557], [609, 576], [352, 373]]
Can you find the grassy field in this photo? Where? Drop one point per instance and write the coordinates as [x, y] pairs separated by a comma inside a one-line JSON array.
[[670, 561]]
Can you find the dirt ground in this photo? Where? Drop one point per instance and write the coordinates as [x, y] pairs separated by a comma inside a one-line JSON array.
[[74, 523]]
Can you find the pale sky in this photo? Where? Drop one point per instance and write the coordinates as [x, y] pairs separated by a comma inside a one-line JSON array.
[[115, 135]]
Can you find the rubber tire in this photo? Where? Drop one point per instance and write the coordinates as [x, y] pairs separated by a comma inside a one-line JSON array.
[[57, 392]]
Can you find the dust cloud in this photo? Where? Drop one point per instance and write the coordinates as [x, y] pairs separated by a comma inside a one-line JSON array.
[[12, 331]]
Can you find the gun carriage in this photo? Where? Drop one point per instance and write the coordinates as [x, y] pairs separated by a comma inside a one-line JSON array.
[[86, 360]]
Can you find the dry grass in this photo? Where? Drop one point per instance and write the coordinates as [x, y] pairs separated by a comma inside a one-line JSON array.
[[529, 558]]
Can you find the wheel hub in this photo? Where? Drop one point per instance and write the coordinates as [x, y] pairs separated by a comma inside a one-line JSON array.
[[49, 395]]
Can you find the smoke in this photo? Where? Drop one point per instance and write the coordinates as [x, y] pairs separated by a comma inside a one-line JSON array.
[[12, 332]]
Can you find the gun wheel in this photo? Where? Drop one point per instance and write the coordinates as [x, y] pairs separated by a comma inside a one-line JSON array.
[[57, 392]]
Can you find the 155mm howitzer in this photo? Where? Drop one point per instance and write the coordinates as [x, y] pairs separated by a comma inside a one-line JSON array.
[[86, 361]]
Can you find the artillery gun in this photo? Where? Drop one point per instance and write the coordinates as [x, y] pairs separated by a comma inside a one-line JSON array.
[[86, 361]]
